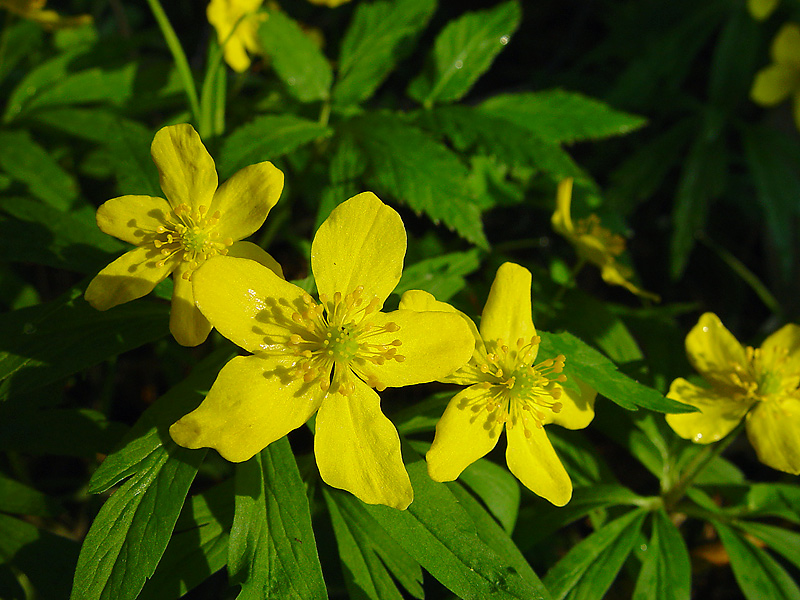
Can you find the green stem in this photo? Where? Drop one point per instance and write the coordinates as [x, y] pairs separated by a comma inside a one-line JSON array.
[[178, 54], [325, 113]]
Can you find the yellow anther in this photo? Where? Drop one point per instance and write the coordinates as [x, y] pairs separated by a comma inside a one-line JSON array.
[[391, 327], [557, 406]]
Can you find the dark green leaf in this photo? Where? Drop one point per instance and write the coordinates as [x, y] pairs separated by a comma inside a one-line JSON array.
[[497, 488], [128, 150], [464, 50], [666, 572], [579, 457], [18, 498], [733, 65], [783, 541], [442, 276], [774, 499], [296, 58], [22, 38]]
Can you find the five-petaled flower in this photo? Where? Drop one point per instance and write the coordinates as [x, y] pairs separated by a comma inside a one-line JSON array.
[[761, 383], [198, 220], [236, 23], [781, 79], [49, 19], [506, 389], [323, 357], [593, 242]]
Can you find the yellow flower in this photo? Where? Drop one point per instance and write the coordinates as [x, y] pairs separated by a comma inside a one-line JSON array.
[[761, 383], [197, 221], [49, 19], [324, 357], [237, 22], [593, 242], [761, 9], [329, 3], [775, 82], [506, 389]]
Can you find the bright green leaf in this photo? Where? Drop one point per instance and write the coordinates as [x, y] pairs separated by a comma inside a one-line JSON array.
[[442, 276], [666, 572], [783, 541], [18, 498], [497, 488]]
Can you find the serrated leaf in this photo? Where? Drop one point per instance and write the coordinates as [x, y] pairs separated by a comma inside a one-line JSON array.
[[560, 117], [587, 364], [295, 57], [759, 576], [463, 51], [497, 488], [590, 567], [666, 572], [378, 34], [411, 167], [266, 138], [442, 276], [272, 551]]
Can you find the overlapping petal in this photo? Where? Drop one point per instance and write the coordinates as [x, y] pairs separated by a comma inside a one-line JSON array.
[[773, 429], [186, 170], [719, 412], [256, 253], [225, 15], [577, 406], [358, 449], [132, 218], [253, 402], [535, 463], [244, 200], [361, 243], [186, 323], [786, 45], [714, 352], [774, 83], [507, 313]]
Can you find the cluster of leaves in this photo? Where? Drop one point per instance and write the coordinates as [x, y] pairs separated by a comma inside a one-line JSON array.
[[404, 100]]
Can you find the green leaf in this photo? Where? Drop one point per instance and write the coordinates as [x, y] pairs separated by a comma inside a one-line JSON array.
[[18, 498], [442, 276], [666, 572], [463, 51], [90, 124], [590, 567], [128, 150], [783, 541], [558, 116], [272, 551], [295, 57], [774, 499], [579, 457], [759, 576], [587, 364], [378, 34], [25, 161], [737, 51], [266, 138], [369, 555], [497, 488], [22, 39], [411, 167]]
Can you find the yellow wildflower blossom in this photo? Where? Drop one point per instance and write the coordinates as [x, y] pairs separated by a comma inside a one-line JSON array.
[[197, 221], [761, 383], [506, 390], [761, 9], [781, 79], [594, 243], [236, 23], [325, 357], [49, 19]]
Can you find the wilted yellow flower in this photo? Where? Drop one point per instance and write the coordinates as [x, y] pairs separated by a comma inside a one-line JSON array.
[[761, 383], [781, 79], [506, 389], [198, 220], [49, 19], [237, 22], [761, 9], [326, 358], [593, 242]]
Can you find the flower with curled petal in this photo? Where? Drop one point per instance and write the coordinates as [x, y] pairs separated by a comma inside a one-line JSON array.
[[197, 220], [761, 383], [325, 357], [236, 23], [507, 390]]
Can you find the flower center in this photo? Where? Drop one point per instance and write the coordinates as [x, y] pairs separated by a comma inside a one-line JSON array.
[[189, 235], [771, 373], [613, 243]]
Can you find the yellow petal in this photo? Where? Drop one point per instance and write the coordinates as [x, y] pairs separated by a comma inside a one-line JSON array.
[[362, 242], [773, 428], [433, 344], [780, 353], [719, 413], [131, 218], [358, 449], [329, 3], [561, 219], [246, 302], [761, 9], [131, 276], [465, 433], [188, 325], [786, 45], [224, 15], [244, 201], [577, 407], [773, 84], [535, 463], [253, 402], [507, 313], [256, 253], [714, 352], [186, 169], [614, 273]]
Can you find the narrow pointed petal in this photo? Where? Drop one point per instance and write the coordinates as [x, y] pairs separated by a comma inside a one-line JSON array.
[[786, 45], [186, 169], [247, 303], [358, 449], [253, 402], [773, 428], [256, 253], [614, 273], [714, 352], [188, 325], [131, 218], [535, 463], [244, 201], [361, 243], [433, 344], [774, 83], [465, 433], [561, 219], [577, 407], [131, 276], [507, 313], [719, 413]]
